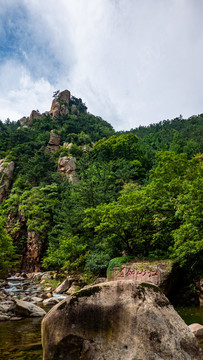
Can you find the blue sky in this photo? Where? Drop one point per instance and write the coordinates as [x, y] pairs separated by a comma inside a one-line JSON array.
[[133, 62]]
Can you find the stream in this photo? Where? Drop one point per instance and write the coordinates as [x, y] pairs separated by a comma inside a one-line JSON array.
[[21, 339]]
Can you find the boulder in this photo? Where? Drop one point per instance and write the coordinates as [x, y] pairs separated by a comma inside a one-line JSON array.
[[27, 309], [197, 330], [34, 115], [117, 320], [6, 173], [74, 287], [53, 144], [67, 167], [154, 272], [64, 286], [36, 300], [23, 121], [50, 301], [4, 317]]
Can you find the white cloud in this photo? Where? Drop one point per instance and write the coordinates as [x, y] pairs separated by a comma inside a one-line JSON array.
[[20, 93], [132, 62]]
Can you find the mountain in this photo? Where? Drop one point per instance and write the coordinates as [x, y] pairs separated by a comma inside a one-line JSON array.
[[74, 193]]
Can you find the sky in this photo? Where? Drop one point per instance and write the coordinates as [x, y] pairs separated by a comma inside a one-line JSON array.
[[133, 62]]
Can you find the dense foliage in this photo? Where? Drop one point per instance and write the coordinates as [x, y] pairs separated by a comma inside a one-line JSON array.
[[139, 193]]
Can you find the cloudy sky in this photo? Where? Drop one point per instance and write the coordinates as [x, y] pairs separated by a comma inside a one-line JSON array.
[[133, 62]]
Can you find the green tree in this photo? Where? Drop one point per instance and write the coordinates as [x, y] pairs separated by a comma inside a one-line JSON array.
[[7, 250]]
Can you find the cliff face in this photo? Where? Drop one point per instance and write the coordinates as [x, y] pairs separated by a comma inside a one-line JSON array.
[[32, 257], [6, 173], [117, 320], [60, 104]]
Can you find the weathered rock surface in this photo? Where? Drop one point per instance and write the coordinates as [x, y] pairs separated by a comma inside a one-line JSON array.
[[31, 261], [74, 110], [50, 301], [24, 308], [156, 272], [197, 330], [117, 320], [67, 167], [54, 142], [23, 120], [60, 105], [34, 115], [6, 173], [64, 286]]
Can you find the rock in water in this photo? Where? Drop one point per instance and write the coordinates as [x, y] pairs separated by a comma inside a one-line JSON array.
[[117, 320], [25, 308]]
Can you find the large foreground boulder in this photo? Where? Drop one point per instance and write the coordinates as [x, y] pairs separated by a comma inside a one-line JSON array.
[[117, 320]]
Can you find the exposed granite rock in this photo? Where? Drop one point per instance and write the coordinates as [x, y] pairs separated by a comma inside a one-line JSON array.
[[156, 272], [67, 145], [74, 110], [34, 115], [53, 144], [60, 104], [117, 320], [23, 120], [6, 173], [31, 261], [50, 301], [67, 167]]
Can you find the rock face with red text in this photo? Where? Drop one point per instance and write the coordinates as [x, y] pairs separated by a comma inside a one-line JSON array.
[[117, 320], [6, 173], [155, 272]]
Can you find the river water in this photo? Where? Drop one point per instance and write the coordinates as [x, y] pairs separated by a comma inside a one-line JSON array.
[[21, 340]]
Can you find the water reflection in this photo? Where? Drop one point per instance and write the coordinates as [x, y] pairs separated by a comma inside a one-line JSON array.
[[21, 340]]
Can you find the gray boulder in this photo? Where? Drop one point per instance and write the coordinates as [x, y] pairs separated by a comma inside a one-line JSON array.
[[50, 301], [117, 320], [27, 309]]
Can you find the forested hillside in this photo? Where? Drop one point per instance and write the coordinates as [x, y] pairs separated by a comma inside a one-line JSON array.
[[79, 194]]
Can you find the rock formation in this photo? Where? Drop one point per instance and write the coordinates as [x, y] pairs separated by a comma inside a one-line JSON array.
[[31, 261], [6, 173], [74, 110], [34, 115], [60, 104], [23, 121], [54, 142], [26, 309], [117, 320], [156, 273], [67, 167]]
